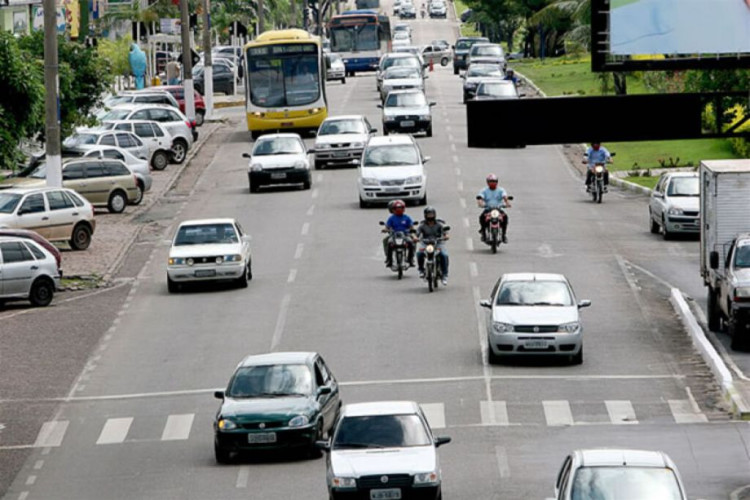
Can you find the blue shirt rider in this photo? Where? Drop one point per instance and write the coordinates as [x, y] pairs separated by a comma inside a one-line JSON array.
[[493, 196], [398, 222], [597, 154]]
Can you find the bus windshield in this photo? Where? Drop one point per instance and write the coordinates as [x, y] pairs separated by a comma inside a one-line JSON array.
[[354, 38], [283, 79]]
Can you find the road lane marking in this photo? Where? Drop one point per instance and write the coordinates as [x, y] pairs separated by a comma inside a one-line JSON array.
[[311, 210], [621, 412], [448, 128], [51, 434], [314, 193], [178, 427], [467, 224], [497, 415], [460, 185], [435, 414], [299, 250], [502, 462], [483, 349], [39, 464], [469, 244], [280, 321], [24, 495], [473, 270], [115, 430], [557, 413], [30, 480], [455, 160], [684, 413], [243, 475], [462, 202], [305, 228], [292, 276], [453, 147]]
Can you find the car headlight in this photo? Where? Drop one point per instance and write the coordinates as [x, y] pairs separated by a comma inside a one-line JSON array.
[[425, 117], [417, 179], [322, 146], [256, 167], [470, 85], [231, 258], [427, 479], [357, 145], [226, 425], [499, 327], [366, 181], [219, 259], [675, 211], [299, 421], [569, 327], [343, 482], [346, 61], [742, 292], [189, 261], [301, 164], [176, 261]]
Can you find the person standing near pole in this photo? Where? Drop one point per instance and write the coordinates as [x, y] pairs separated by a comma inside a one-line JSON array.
[[173, 72], [187, 62]]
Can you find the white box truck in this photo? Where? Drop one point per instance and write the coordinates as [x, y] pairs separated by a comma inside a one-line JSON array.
[[725, 246]]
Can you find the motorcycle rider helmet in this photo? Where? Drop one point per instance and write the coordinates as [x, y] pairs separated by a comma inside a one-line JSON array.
[[492, 181], [430, 213], [398, 207], [595, 146]]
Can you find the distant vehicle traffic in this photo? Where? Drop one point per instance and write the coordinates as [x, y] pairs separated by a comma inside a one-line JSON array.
[[461, 51], [341, 139], [407, 111], [335, 69], [392, 168], [278, 159], [674, 206], [361, 37]]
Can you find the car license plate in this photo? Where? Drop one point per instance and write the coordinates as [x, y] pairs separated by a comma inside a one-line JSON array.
[[281, 175], [407, 123], [261, 438], [339, 154], [204, 273], [392, 189], [389, 494], [536, 344]]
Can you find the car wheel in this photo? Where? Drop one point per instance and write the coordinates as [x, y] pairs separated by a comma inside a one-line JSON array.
[[200, 117], [343, 81], [577, 359], [160, 160], [455, 70], [249, 269], [664, 232], [41, 292], [314, 451], [179, 150], [739, 339], [428, 132], [222, 456], [138, 197], [363, 203], [172, 286], [654, 226], [242, 280], [307, 184], [444, 62], [492, 358], [118, 200], [423, 201], [81, 237], [714, 314]]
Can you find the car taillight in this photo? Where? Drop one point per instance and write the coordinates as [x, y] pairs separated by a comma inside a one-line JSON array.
[[193, 124], [189, 124]]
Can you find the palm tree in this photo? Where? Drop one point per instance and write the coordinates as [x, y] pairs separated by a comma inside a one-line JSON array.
[[564, 20]]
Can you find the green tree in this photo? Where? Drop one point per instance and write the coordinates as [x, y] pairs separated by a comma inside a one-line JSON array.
[[21, 101], [116, 53]]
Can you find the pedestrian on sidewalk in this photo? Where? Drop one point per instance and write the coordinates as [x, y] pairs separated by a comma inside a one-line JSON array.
[[173, 72]]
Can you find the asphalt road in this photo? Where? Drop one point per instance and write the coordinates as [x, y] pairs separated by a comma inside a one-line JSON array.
[[319, 284]]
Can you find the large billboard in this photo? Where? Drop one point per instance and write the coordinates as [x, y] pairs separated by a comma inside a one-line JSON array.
[[679, 27], [669, 34]]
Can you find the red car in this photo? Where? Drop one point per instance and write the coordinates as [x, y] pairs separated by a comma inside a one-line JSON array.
[[179, 93], [41, 240]]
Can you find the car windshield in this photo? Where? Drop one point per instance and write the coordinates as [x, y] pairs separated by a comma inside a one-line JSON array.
[[465, 44], [270, 381], [381, 431], [9, 202], [401, 35], [391, 155], [202, 234], [534, 293], [334, 58], [742, 256], [115, 114], [625, 483], [408, 99], [401, 72], [487, 70], [401, 61], [115, 100], [39, 172], [684, 186], [487, 51], [497, 89], [356, 38], [278, 146], [79, 139], [342, 127]]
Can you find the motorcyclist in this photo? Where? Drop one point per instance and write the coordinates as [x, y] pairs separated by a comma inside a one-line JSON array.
[[423, 12], [398, 222], [491, 197], [510, 75], [594, 155], [432, 228]]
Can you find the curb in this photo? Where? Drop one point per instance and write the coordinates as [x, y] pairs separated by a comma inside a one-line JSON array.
[[228, 104], [712, 358], [120, 259]]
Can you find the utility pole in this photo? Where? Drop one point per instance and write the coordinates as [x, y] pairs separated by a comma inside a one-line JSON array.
[[208, 70], [261, 29], [52, 96], [187, 62]]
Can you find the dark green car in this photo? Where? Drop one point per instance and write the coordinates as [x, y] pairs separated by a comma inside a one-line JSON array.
[[282, 400]]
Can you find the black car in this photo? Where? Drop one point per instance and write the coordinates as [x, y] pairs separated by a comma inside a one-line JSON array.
[[461, 50], [223, 80]]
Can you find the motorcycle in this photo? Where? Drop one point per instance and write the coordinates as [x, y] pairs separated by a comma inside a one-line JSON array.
[[433, 271], [495, 219], [398, 242], [597, 182]]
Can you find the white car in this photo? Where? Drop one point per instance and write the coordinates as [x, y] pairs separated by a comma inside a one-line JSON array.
[[395, 59], [674, 206], [140, 168], [153, 134], [84, 139], [340, 140], [392, 168], [613, 473], [209, 250], [534, 314], [278, 159], [335, 69], [407, 111], [401, 38], [438, 9], [27, 271], [383, 450], [401, 78]]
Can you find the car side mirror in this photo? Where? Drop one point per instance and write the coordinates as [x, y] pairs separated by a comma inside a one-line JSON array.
[[219, 394], [246, 155], [426, 159], [323, 446], [446, 228], [521, 95], [657, 194], [485, 303], [453, 47], [311, 151], [380, 106], [381, 223], [713, 258], [22, 211], [613, 154], [326, 389], [441, 440], [511, 198], [584, 303], [373, 130], [433, 103]]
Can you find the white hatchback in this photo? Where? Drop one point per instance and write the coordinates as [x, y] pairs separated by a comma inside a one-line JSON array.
[[392, 168], [209, 250], [27, 271]]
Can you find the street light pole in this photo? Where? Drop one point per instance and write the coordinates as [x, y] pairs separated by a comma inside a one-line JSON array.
[[187, 62], [52, 96], [208, 70]]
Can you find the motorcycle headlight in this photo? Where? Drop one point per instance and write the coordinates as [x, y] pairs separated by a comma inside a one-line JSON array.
[[598, 169], [569, 327], [299, 421], [675, 211], [495, 214], [417, 179], [301, 164], [499, 327], [226, 425], [256, 167], [176, 261], [429, 249], [343, 482], [427, 479], [366, 181], [742, 292]]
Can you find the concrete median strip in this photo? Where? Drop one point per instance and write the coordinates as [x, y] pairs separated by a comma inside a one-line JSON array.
[[723, 375]]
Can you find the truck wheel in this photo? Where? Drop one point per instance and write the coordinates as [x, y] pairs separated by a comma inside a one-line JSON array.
[[714, 315]]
